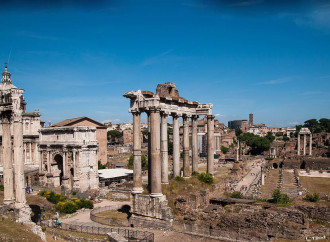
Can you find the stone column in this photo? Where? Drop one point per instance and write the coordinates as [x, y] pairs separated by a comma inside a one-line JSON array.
[[30, 152], [24, 152], [156, 186], [176, 146], [137, 167], [194, 144], [298, 151], [40, 162], [164, 148], [304, 148], [8, 173], [149, 152], [18, 159], [186, 165], [74, 162], [237, 152], [210, 144], [310, 144], [64, 165], [48, 163]]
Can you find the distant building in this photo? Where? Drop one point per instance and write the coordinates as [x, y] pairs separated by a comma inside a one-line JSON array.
[[239, 124]]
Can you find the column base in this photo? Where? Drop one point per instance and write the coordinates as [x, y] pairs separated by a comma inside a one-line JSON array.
[[8, 201], [137, 190], [165, 183], [186, 177], [156, 194]]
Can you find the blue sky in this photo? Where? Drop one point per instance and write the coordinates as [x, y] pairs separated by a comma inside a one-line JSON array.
[[77, 58]]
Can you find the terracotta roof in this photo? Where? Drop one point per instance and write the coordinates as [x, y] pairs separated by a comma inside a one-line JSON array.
[[72, 121]]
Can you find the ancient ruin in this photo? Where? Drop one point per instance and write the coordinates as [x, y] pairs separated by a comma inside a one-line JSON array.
[[68, 158], [12, 106], [304, 132], [166, 101]]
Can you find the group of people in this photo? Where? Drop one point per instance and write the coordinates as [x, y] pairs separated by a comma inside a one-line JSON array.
[[28, 189]]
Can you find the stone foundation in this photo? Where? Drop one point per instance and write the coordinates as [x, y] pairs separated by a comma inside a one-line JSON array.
[[151, 212]]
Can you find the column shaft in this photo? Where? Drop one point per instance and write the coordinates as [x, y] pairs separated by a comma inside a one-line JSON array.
[[186, 165], [194, 144], [149, 152], [48, 162], [156, 187], [310, 144], [298, 148], [19, 162], [137, 166], [210, 144], [64, 165], [8, 172], [30, 152], [74, 162], [40, 162], [176, 146], [164, 148], [304, 148]]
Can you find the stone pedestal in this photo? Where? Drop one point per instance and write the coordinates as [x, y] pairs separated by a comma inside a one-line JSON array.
[[151, 212]]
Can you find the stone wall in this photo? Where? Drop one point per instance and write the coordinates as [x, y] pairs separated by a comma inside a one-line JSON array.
[[311, 163]]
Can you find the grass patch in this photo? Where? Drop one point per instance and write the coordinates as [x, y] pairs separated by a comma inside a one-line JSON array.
[[316, 184], [11, 231]]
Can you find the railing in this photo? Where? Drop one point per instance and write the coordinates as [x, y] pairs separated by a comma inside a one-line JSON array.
[[130, 235], [106, 221]]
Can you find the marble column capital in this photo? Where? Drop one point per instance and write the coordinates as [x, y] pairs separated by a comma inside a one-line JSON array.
[[210, 116], [175, 115], [6, 117], [164, 114], [136, 112], [154, 109]]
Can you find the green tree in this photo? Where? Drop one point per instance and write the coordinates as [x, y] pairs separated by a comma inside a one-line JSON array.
[[286, 138], [224, 149], [325, 124], [144, 162], [114, 134], [238, 133], [312, 124]]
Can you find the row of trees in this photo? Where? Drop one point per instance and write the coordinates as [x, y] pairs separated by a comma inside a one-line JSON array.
[[315, 126]]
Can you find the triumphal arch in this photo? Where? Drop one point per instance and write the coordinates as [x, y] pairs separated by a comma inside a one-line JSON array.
[[12, 106], [158, 106]]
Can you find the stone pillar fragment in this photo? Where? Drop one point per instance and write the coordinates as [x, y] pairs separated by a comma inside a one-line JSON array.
[[210, 144], [176, 146], [310, 144], [137, 166], [18, 159], [48, 163], [304, 147], [149, 152], [30, 152], [156, 186], [40, 162], [8, 173], [186, 165], [194, 144], [164, 148], [298, 149]]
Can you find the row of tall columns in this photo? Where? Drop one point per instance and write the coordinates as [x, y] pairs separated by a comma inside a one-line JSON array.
[[304, 144], [158, 149], [28, 150]]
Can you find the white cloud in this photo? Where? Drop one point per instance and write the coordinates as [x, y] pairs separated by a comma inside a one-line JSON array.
[[277, 81]]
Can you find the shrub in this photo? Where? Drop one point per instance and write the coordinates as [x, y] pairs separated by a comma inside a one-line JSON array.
[[42, 193], [83, 203], [67, 207], [43, 228], [206, 178], [280, 198], [236, 194], [312, 197], [195, 173], [180, 179], [1, 188], [224, 149], [55, 197]]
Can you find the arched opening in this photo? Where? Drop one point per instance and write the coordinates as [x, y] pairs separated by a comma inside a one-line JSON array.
[[59, 161], [281, 164], [275, 165], [303, 165]]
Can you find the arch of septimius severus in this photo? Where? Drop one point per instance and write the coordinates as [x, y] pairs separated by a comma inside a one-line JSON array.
[[158, 106], [12, 105]]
